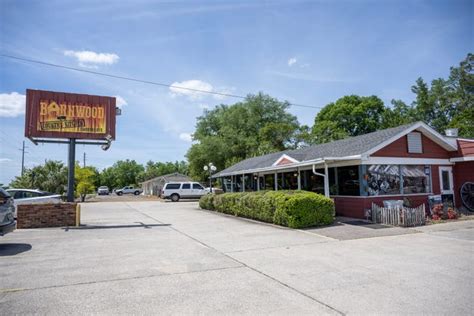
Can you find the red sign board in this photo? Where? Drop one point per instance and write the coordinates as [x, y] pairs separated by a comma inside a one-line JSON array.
[[69, 115]]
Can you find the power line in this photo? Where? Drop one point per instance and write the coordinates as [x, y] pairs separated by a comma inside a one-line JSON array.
[[140, 80]]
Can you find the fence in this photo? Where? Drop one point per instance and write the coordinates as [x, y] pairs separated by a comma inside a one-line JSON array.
[[399, 216]]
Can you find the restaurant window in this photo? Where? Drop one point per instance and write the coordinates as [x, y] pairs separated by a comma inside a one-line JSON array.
[[383, 179], [348, 180], [290, 180], [269, 182], [416, 179]]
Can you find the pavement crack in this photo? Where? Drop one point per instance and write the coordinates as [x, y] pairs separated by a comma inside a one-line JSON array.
[[245, 265], [12, 290]]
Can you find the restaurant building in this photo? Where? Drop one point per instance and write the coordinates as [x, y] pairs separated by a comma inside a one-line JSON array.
[[407, 162]]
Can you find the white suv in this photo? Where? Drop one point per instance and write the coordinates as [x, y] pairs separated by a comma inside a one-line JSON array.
[[183, 190]]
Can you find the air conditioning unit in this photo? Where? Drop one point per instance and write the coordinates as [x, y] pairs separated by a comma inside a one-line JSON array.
[[451, 132]]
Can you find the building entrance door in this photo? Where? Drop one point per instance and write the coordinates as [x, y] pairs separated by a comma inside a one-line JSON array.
[[446, 183]]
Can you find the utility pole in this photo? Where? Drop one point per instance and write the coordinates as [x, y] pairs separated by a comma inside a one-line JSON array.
[[84, 159], [23, 158]]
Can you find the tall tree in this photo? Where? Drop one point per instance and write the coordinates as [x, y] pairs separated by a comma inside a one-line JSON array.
[[227, 134], [448, 102], [50, 177], [349, 116]]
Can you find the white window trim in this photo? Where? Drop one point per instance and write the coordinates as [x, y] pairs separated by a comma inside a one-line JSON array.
[[405, 161], [461, 159], [382, 196]]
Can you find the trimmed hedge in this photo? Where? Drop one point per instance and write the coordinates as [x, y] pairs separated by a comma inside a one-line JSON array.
[[295, 209]]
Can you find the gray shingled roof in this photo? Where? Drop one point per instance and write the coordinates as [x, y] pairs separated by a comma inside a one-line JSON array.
[[341, 148]]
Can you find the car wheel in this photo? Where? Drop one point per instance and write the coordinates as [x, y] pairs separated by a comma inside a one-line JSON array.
[[174, 197], [136, 192], [119, 193]]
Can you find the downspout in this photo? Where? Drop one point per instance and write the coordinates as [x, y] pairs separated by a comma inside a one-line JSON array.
[[325, 176]]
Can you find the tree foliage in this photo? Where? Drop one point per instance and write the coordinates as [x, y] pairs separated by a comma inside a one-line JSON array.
[[156, 169], [50, 177], [444, 103], [227, 134], [349, 116], [85, 177]]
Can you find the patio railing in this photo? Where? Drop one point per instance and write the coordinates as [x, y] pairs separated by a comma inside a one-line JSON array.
[[399, 216]]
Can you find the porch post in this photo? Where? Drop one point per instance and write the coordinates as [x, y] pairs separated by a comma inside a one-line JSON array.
[[299, 178], [326, 180], [258, 182], [276, 181], [243, 183], [231, 183]]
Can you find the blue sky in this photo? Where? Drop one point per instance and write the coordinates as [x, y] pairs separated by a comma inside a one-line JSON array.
[[307, 52]]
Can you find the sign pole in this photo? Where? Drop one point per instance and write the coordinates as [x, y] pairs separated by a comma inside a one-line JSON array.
[[71, 166]]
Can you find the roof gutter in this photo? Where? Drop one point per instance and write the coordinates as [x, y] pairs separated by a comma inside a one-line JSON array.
[[308, 163]]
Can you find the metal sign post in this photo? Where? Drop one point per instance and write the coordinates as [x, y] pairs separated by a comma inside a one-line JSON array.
[[71, 164]]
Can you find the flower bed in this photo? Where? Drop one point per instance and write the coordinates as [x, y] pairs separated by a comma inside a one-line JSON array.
[[295, 209]]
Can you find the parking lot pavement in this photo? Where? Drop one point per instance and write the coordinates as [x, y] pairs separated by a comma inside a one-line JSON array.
[[172, 258]]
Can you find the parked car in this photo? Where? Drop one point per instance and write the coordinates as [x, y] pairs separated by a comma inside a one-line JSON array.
[[103, 190], [183, 190], [128, 190], [28, 196], [7, 209]]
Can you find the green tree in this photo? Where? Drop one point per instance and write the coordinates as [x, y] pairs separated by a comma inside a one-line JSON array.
[[448, 102], [126, 172], [85, 178], [50, 177], [227, 134], [349, 116], [156, 169]]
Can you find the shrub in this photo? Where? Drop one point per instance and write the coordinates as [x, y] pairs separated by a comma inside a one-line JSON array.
[[294, 209], [207, 202]]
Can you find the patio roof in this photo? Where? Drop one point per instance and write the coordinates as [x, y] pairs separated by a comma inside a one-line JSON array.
[[346, 149]]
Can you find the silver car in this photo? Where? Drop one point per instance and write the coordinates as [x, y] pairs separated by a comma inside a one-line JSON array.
[[183, 190], [7, 220], [103, 190]]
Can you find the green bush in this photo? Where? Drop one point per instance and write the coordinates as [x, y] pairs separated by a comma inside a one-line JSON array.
[[207, 202], [296, 209]]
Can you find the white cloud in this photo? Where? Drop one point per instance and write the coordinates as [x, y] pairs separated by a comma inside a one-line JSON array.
[[2, 160], [91, 59], [196, 90], [12, 104], [187, 137], [292, 61], [191, 88], [120, 102]]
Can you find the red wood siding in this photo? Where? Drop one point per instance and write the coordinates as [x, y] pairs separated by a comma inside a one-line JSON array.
[[399, 148], [465, 148], [462, 172], [355, 206]]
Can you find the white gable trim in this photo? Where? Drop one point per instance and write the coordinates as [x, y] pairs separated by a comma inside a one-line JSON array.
[[424, 129], [284, 156], [461, 159]]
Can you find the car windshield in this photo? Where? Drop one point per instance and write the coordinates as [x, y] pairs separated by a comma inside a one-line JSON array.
[[4, 194]]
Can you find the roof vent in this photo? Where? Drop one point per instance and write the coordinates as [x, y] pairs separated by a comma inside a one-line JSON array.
[[451, 132]]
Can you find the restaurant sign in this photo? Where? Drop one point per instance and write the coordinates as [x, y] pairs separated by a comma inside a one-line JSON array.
[[69, 115]]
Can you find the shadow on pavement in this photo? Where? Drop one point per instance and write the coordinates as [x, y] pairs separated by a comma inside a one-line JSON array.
[[139, 225], [13, 249]]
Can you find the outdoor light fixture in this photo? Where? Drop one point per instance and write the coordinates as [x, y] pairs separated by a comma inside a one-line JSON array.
[[108, 138], [211, 168]]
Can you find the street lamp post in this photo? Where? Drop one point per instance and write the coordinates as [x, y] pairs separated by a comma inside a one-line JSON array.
[[211, 168]]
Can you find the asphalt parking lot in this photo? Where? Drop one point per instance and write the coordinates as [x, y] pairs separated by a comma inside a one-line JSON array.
[[143, 257]]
